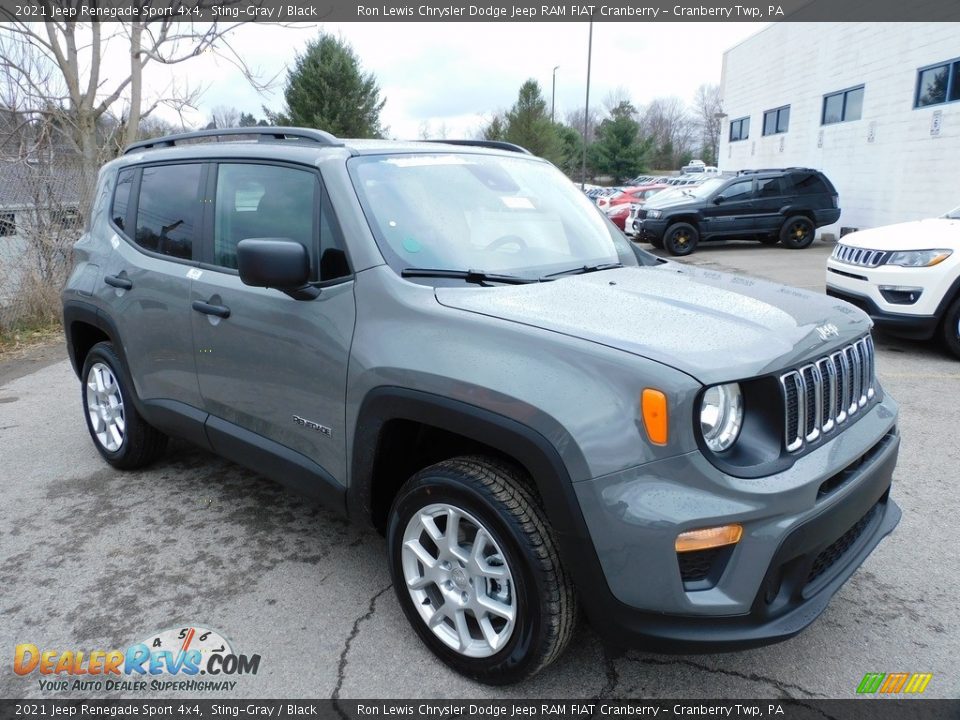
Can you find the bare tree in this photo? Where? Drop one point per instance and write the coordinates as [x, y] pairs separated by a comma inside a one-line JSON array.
[[575, 120], [225, 117], [616, 99], [55, 69], [707, 111], [667, 121]]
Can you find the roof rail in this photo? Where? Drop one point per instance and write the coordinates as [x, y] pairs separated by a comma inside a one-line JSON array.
[[494, 144], [263, 134], [765, 170]]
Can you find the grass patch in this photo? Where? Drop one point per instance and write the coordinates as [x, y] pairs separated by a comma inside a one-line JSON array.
[[13, 340]]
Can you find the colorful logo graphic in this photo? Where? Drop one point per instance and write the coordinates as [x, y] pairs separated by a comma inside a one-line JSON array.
[[186, 652], [893, 683]]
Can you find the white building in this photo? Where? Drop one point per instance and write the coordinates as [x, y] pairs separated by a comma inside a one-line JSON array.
[[876, 106]]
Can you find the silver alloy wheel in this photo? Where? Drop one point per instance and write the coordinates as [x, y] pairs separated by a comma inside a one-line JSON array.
[[459, 580], [105, 407]]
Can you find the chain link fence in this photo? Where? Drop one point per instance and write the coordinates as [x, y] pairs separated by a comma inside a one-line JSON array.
[[40, 220]]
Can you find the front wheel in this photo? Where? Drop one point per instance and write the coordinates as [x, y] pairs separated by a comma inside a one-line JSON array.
[[476, 571], [681, 239], [797, 232], [951, 328]]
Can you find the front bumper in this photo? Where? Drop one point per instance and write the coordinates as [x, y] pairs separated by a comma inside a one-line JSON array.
[[913, 327], [800, 544], [647, 229]]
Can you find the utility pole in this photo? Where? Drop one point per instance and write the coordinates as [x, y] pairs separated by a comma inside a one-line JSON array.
[[586, 112], [553, 96]]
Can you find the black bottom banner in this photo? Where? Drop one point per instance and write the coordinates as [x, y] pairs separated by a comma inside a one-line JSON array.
[[860, 709]]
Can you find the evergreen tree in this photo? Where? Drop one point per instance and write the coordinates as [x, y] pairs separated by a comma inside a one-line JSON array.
[[495, 130], [528, 124], [326, 89], [619, 151], [571, 150]]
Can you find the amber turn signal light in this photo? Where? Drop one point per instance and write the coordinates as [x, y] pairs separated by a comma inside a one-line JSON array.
[[709, 538], [654, 404]]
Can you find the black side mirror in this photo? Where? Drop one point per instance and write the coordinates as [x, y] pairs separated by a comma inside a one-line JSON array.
[[718, 199], [277, 263]]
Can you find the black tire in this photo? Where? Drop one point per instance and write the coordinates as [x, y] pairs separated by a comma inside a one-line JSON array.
[[770, 240], [141, 444], [951, 328], [797, 232], [497, 495], [681, 239]]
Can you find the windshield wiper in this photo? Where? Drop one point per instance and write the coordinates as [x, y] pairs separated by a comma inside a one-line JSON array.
[[471, 276], [586, 269]]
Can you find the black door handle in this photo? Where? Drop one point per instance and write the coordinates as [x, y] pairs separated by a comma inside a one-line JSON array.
[[208, 309], [118, 281]]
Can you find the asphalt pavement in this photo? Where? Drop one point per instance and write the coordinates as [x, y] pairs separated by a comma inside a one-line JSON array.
[[96, 559]]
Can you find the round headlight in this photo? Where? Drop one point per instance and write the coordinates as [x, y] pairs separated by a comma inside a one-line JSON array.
[[721, 416]]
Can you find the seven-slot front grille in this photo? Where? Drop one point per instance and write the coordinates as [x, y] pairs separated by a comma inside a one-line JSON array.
[[858, 256], [824, 394]]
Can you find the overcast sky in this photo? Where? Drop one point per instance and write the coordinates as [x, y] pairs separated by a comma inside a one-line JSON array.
[[458, 73]]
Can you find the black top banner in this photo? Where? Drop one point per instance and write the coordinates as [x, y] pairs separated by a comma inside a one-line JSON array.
[[480, 10]]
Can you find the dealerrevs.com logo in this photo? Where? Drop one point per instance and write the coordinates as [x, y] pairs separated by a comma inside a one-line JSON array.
[[173, 659]]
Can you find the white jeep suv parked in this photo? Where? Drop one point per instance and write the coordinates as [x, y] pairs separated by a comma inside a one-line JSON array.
[[905, 276]]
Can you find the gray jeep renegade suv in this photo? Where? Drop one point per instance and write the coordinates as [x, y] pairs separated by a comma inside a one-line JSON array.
[[450, 342]]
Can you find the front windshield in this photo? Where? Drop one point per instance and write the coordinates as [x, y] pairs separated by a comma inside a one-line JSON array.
[[496, 214], [953, 214]]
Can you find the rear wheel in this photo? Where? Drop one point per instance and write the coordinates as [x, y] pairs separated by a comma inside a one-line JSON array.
[[476, 571], [681, 239], [122, 437], [797, 232], [951, 328]]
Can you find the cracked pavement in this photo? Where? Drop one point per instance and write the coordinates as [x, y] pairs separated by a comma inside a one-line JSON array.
[[92, 558]]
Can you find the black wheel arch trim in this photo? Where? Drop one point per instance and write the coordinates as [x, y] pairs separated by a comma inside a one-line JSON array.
[[952, 293], [532, 450], [75, 311]]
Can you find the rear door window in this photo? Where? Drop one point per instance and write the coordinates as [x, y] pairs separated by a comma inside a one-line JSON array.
[[169, 209], [770, 187]]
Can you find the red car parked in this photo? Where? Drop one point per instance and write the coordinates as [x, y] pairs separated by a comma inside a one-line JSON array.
[[617, 207]]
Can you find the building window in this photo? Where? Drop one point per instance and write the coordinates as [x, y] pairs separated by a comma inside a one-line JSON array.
[[776, 121], [70, 219], [938, 84], [8, 224], [842, 106], [739, 129]]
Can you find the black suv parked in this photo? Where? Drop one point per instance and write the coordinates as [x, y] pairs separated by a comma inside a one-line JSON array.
[[771, 206]]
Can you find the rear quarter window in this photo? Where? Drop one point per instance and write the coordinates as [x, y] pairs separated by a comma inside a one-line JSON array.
[[810, 185]]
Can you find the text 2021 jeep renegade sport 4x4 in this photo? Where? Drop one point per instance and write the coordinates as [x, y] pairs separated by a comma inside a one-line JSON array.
[[450, 342]]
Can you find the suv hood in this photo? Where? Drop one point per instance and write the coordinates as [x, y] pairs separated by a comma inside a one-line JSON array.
[[673, 201], [917, 235], [714, 326]]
